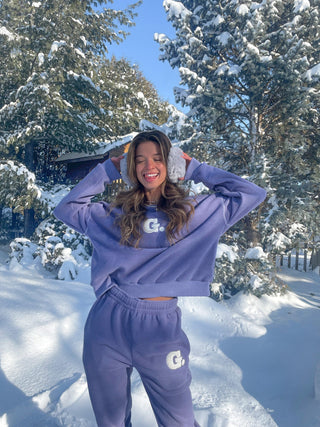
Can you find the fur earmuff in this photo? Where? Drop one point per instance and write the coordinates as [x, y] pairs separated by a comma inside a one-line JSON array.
[[176, 167]]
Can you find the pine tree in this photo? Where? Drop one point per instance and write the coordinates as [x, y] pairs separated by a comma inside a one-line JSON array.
[[251, 72], [48, 98], [48, 51], [58, 90], [131, 97], [252, 75]]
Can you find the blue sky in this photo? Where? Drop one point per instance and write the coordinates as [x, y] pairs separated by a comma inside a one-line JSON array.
[[141, 49]]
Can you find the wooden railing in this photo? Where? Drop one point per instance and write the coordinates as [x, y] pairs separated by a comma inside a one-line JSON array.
[[305, 255]]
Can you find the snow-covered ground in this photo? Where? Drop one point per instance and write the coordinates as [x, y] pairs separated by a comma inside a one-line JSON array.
[[254, 361]]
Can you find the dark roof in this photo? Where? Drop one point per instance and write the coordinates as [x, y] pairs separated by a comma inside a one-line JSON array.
[[99, 153]]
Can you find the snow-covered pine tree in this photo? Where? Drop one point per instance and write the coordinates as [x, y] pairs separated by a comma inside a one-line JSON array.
[[18, 187], [48, 52], [48, 99], [131, 96], [251, 69]]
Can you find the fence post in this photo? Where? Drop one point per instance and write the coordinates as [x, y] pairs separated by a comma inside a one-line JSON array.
[[315, 259], [289, 260], [311, 258], [297, 258], [305, 256]]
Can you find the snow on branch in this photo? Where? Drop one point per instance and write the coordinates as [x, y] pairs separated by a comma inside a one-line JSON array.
[[7, 33], [301, 5], [242, 9], [176, 10], [18, 189], [55, 46], [313, 72], [84, 78], [224, 37]]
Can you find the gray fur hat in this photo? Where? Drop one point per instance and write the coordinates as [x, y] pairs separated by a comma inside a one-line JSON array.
[[176, 166]]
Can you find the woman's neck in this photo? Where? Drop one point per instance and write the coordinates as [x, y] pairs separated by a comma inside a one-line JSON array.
[[152, 198]]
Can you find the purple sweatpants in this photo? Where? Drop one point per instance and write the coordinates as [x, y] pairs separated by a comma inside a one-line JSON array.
[[124, 332]]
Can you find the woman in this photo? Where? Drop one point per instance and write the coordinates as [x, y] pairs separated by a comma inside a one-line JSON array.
[[150, 246]]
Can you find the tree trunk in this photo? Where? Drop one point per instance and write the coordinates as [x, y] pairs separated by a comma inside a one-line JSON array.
[[29, 156], [29, 223], [13, 219], [29, 220], [252, 235]]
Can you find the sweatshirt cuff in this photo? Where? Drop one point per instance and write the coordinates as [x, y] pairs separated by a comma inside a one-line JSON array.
[[111, 170], [193, 166]]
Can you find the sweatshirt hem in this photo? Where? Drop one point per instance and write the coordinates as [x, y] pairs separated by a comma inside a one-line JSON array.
[[161, 289]]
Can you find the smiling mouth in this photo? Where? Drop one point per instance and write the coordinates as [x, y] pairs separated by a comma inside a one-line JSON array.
[[150, 176]]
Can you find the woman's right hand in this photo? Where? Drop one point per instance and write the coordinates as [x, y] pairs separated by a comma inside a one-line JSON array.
[[187, 159], [116, 162]]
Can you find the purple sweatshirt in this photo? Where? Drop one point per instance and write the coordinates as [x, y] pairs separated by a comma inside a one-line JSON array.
[[157, 268]]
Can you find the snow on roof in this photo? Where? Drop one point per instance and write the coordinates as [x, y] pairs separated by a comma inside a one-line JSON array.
[[74, 155], [101, 151]]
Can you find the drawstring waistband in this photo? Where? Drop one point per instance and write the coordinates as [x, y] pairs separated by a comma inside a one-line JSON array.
[[141, 304]]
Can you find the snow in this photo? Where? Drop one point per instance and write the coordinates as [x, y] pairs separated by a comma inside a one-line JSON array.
[[313, 72], [55, 46], [41, 58], [255, 253], [13, 170], [222, 69], [279, 241], [301, 5], [80, 53], [226, 68], [5, 32], [216, 21], [176, 9], [141, 96], [224, 249], [224, 37], [243, 9], [84, 78], [255, 282], [234, 70], [186, 72], [255, 362], [266, 58], [253, 49]]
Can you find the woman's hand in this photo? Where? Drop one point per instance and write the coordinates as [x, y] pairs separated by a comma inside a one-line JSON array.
[[116, 162], [187, 159]]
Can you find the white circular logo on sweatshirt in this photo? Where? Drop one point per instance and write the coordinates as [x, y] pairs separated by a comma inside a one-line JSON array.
[[152, 225]]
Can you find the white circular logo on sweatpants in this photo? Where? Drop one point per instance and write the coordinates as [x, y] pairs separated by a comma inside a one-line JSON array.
[[175, 360]]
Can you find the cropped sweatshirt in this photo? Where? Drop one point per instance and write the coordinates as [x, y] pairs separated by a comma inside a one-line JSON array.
[[156, 267]]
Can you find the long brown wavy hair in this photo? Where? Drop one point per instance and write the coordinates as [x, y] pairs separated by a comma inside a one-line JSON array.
[[173, 200]]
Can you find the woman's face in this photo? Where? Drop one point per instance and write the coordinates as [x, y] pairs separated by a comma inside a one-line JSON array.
[[150, 168]]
